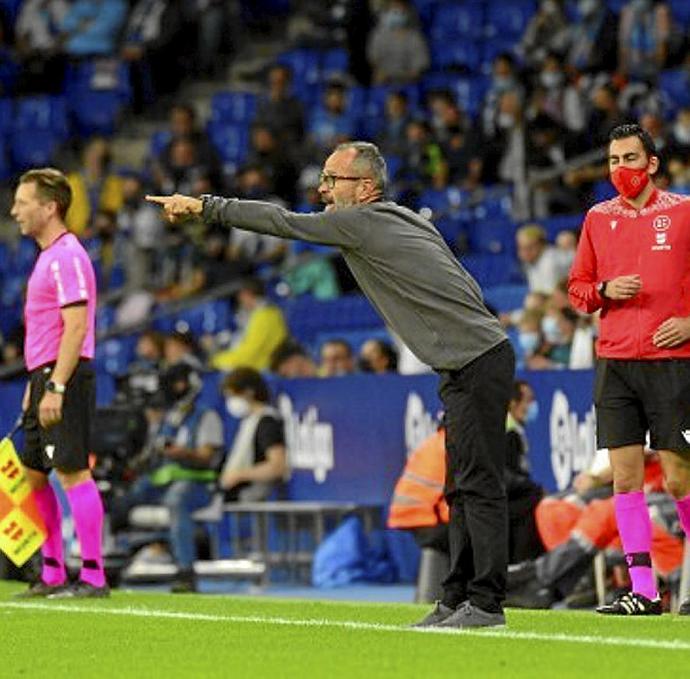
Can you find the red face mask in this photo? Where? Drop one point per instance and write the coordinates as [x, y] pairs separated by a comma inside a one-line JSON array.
[[630, 182]]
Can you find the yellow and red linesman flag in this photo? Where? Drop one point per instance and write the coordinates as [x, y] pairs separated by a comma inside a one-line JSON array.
[[21, 529]]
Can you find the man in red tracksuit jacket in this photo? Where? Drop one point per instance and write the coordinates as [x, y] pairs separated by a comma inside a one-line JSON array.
[[633, 263]]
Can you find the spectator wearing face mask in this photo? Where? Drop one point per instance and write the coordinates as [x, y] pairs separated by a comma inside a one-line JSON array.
[[504, 79], [397, 50], [557, 97], [530, 336], [644, 34], [546, 31], [591, 45], [558, 328], [257, 461]]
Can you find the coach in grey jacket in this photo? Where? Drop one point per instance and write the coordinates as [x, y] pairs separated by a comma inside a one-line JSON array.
[[410, 275]]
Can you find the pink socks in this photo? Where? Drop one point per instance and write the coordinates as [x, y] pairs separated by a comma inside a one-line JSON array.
[[635, 528], [87, 510], [53, 572]]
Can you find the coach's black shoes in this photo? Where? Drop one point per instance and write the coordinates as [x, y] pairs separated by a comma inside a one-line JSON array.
[[81, 590], [684, 608], [468, 616], [39, 590], [632, 603], [438, 615]]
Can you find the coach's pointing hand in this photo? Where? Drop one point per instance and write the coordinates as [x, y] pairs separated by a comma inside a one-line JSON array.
[[177, 205]]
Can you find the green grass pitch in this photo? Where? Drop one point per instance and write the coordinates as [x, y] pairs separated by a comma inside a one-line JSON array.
[[135, 634]]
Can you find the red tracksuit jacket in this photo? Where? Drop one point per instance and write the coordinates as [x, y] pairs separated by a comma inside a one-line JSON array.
[[653, 242]]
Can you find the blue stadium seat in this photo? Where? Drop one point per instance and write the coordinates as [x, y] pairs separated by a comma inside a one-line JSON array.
[[12, 288], [105, 317], [377, 95], [426, 10], [453, 20], [466, 55], [334, 62], [494, 206], [680, 9], [10, 316], [307, 317], [114, 355], [231, 141], [10, 8], [35, 149], [393, 165], [96, 112], [233, 107], [490, 270], [492, 236], [508, 17], [603, 190], [453, 228], [305, 65], [495, 46], [207, 318], [99, 75], [42, 113], [675, 88], [24, 256], [159, 140], [469, 91], [6, 114], [5, 163], [505, 298], [554, 225]]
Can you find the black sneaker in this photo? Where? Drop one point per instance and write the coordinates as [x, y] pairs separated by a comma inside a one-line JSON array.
[[81, 590], [684, 608], [39, 590], [468, 615], [530, 595], [184, 583], [438, 615], [632, 603]]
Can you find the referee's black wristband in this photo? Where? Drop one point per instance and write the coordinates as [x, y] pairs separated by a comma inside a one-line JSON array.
[[601, 289]]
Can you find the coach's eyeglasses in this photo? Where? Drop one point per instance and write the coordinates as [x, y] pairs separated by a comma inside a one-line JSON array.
[[331, 179]]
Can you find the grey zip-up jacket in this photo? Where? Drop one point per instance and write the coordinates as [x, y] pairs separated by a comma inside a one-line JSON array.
[[400, 262]]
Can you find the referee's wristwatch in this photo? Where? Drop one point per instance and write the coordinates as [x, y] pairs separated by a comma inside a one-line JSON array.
[[601, 288], [55, 387]]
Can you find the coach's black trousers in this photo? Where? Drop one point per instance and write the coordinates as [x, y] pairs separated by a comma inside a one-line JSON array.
[[475, 399]]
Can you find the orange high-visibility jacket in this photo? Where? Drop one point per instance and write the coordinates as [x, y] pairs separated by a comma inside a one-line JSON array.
[[418, 496]]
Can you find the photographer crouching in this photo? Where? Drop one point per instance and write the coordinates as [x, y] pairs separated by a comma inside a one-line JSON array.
[[181, 462]]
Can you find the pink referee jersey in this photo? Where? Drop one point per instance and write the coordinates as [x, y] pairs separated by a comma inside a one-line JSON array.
[[63, 275]]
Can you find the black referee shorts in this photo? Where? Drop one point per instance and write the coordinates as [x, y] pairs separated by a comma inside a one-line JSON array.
[[633, 397], [65, 445]]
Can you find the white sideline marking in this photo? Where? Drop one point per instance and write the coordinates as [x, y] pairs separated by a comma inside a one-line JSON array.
[[669, 645]]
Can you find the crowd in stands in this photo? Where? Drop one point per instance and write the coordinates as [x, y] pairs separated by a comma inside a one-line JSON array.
[[470, 102]]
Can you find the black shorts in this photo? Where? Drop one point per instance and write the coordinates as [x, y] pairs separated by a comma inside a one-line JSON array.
[[633, 397], [65, 445]]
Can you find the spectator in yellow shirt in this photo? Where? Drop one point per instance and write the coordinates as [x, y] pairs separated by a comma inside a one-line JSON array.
[[93, 186], [262, 329]]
